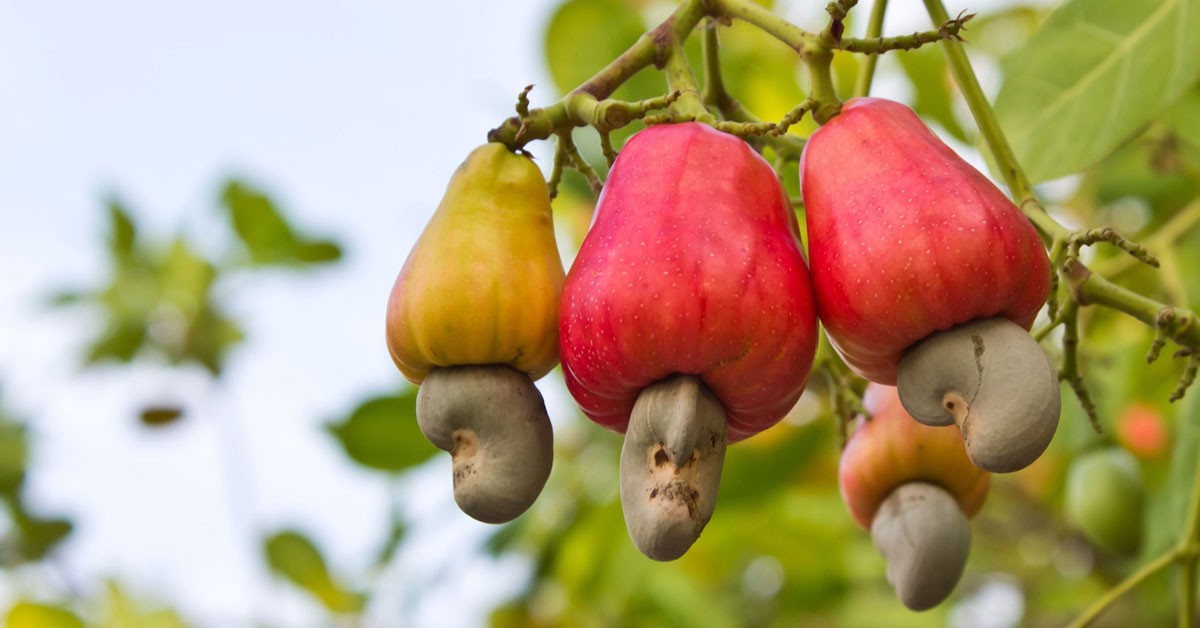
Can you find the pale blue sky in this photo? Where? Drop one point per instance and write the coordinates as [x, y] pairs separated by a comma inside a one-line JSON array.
[[354, 114]]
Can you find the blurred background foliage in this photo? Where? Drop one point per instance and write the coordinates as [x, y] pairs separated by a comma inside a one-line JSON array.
[[782, 549]]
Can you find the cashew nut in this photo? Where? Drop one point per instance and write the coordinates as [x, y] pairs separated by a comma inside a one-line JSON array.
[[493, 422]]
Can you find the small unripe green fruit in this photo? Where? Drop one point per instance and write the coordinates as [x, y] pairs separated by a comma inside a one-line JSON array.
[[1104, 499]]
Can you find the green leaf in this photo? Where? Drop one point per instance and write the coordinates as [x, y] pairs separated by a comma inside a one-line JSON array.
[[584, 35], [293, 556], [926, 70], [14, 454], [259, 224], [1184, 117], [34, 537], [382, 433], [1148, 169], [761, 70], [120, 343], [1169, 507], [1096, 72], [127, 612], [269, 238], [396, 535], [25, 614], [318, 251], [122, 232]]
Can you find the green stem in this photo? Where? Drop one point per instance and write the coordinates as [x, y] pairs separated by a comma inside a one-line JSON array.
[[1187, 592], [572, 110], [1149, 569], [714, 85], [763, 18], [876, 45], [1187, 550], [1179, 225], [682, 80], [989, 127], [822, 94], [816, 50], [866, 72], [1088, 288]]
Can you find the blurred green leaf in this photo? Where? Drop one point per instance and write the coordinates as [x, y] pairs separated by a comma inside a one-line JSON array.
[[293, 556], [266, 233], [122, 231], [124, 611], [927, 71], [26, 614], [14, 455], [754, 470], [1169, 508], [1155, 170], [583, 36], [35, 537], [1096, 72], [1184, 117], [397, 531], [120, 343], [259, 224], [382, 433], [760, 70], [318, 251]]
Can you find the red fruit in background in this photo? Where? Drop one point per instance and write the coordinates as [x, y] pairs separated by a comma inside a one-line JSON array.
[[687, 320], [929, 278], [914, 488], [1142, 430], [692, 265], [889, 449], [907, 239]]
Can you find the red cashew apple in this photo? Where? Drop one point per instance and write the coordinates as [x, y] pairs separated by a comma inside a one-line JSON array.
[[928, 277], [687, 320], [914, 488], [473, 319], [1142, 430]]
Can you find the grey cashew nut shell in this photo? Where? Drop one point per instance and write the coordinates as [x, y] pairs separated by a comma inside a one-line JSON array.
[[924, 537], [671, 465], [992, 379], [493, 421]]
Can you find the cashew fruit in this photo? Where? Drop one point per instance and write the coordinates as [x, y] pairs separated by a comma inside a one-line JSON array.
[[909, 245], [914, 488], [473, 319], [687, 319], [692, 265], [482, 283], [888, 449]]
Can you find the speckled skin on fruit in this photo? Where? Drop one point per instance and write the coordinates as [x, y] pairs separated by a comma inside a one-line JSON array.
[[693, 265], [481, 285], [907, 239], [891, 449]]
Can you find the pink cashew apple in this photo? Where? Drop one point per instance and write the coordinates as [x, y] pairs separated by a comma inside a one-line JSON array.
[[473, 319], [928, 277], [913, 487], [687, 320]]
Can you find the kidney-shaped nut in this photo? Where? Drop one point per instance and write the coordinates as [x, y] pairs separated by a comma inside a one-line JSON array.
[[493, 422]]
